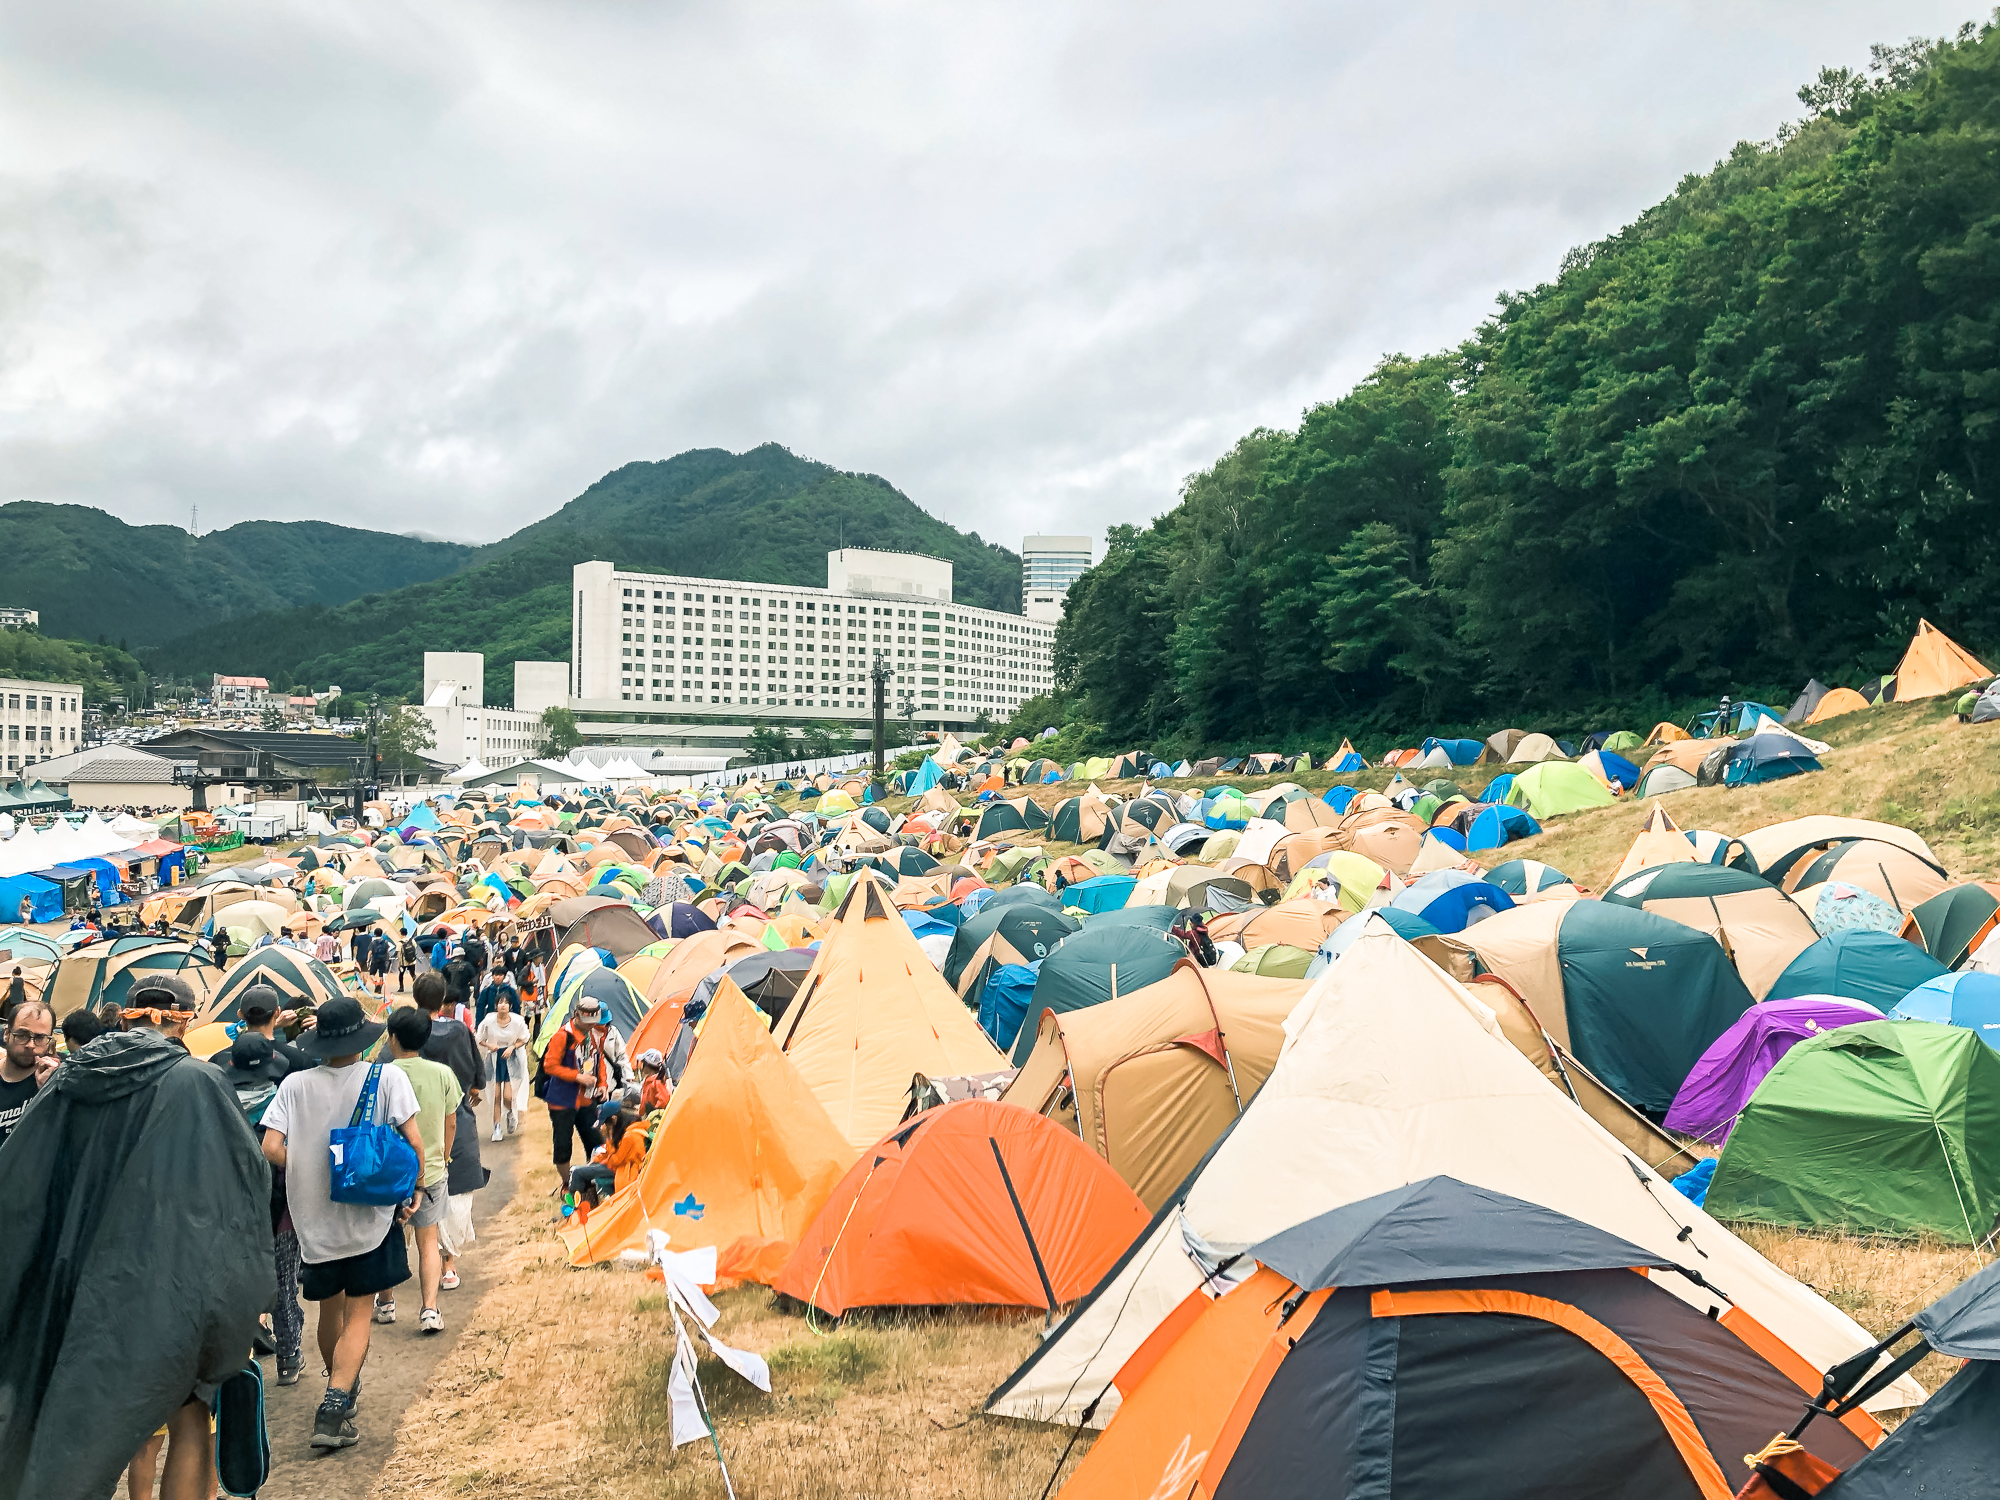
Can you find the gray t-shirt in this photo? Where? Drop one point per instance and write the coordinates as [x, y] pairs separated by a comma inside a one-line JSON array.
[[308, 1108]]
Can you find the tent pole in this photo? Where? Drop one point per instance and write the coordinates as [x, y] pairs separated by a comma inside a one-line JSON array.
[[1027, 1234]]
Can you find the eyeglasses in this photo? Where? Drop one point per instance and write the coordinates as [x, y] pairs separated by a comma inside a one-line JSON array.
[[40, 1040]]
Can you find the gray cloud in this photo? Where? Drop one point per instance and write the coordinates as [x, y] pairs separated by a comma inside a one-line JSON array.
[[439, 266]]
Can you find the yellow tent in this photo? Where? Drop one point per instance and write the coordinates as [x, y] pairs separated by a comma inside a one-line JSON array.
[[744, 1159], [836, 802], [1934, 664], [1660, 842], [872, 1012]]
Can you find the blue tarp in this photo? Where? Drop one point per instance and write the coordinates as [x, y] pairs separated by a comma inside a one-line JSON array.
[[1105, 893], [420, 817], [44, 900], [1619, 769], [108, 876], [1351, 761]]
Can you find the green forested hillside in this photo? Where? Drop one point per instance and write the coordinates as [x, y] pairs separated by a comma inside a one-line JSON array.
[[1750, 437], [92, 575], [767, 516], [103, 672]]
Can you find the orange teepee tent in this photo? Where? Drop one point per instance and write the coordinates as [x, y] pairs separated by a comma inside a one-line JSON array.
[[744, 1158], [927, 1217], [1935, 664], [874, 1011], [1660, 842]]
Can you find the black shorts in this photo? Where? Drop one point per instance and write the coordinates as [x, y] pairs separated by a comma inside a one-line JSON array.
[[387, 1265]]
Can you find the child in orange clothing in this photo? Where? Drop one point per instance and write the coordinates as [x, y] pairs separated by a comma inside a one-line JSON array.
[[617, 1161]]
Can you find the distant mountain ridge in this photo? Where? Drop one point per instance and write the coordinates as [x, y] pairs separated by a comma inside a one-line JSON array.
[[765, 516], [91, 575]]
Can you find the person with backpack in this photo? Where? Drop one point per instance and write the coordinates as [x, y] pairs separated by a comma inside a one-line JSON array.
[[406, 961], [378, 959], [351, 1250], [577, 1078]]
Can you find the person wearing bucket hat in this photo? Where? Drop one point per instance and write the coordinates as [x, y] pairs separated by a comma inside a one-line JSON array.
[[350, 1251]]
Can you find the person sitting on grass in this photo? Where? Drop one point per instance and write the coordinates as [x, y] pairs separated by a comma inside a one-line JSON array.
[[617, 1161]]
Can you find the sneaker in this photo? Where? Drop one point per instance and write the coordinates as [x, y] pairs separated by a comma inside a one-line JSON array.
[[449, 1281], [333, 1423], [513, 1121], [385, 1312], [288, 1370], [430, 1320], [496, 1132]]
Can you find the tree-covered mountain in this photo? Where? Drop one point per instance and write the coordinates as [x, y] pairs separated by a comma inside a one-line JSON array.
[[1749, 438], [91, 575], [103, 672], [767, 516]]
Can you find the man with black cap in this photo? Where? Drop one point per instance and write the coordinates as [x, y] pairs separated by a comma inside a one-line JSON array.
[[261, 1009], [351, 1251]]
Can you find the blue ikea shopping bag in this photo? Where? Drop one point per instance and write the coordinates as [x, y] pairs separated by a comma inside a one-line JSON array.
[[371, 1163]]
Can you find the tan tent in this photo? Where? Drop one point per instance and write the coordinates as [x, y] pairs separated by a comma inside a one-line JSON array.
[[1664, 733], [1304, 923], [1303, 813], [1292, 853], [1777, 848], [1537, 747], [1150, 1079], [1500, 745], [1660, 842], [937, 799], [874, 1011], [1935, 664], [1760, 927], [1686, 754], [1391, 838], [1895, 874], [1371, 1096], [1252, 874]]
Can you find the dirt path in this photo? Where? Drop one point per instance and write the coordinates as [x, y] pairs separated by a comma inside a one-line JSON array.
[[400, 1360]]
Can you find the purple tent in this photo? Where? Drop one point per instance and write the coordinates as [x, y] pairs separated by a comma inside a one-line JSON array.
[[1736, 1062]]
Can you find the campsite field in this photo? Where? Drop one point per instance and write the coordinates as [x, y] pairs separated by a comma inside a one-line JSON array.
[[558, 1387]]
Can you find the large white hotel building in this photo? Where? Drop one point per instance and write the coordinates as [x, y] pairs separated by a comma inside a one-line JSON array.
[[656, 646]]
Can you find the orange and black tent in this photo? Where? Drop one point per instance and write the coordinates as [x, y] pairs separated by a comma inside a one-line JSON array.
[[971, 1203], [1446, 1339]]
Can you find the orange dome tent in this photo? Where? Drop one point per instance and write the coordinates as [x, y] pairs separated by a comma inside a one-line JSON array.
[[744, 1158], [1935, 664], [927, 1218], [1837, 702], [690, 960]]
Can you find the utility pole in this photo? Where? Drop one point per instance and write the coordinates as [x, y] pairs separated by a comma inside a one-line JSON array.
[[878, 674]]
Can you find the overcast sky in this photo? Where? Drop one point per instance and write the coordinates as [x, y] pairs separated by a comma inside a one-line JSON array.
[[439, 266]]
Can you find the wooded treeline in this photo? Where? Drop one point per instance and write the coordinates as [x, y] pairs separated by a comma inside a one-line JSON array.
[[1750, 438]]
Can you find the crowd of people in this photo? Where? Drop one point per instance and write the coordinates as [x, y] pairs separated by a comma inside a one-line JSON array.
[[453, 1028]]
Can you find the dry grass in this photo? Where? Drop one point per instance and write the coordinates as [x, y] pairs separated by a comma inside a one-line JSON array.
[[558, 1388]]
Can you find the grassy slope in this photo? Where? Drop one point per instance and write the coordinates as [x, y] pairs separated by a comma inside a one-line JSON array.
[[90, 574]]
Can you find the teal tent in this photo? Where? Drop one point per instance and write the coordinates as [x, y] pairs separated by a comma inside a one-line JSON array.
[[1095, 965], [1877, 967]]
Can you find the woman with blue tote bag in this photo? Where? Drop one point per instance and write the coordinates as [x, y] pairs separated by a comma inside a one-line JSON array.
[[346, 1134]]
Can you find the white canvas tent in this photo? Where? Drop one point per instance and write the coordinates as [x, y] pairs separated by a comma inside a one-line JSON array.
[[1392, 1072]]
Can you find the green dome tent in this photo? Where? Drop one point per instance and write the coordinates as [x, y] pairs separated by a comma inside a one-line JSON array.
[[1554, 787], [1888, 1127]]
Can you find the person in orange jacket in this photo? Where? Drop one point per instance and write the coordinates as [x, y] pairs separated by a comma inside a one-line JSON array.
[[579, 1080], [617, 1163]]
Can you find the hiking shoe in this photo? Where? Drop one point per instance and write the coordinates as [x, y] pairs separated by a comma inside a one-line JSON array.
[[385, 1312], [288, 1370], [333, 1424], [430, 1320], [449, 1280]]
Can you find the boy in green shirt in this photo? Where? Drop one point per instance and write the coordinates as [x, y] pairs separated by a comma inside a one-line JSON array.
[[438, 1094]]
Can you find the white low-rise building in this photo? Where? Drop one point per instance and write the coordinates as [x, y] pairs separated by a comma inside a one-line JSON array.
[[464, 729], [683, 649], [40, 720]]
